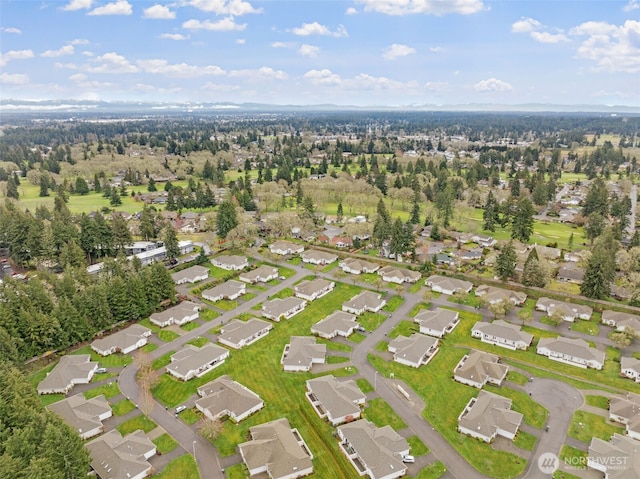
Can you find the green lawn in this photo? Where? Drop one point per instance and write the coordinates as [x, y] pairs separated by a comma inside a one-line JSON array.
[[586, 327], [404, 328], [183, 467], [569, 453], [393, 304], [237, 471], [283, 293], [432, 471], [162, 361], [109, 390], [469, 299], [208, 314], [415, 287], [102, 376], [381, 414], [417, 308], [371, 321], [190, 326], [135, 423], [418, 448], [356, 338], [123, 407], [46, 399], [198, 342], [597, 401], [564, 475], [525, 441], [517, 378], [167, 336], [337, 359], [112, 361], [534, 414], [147, 348], [165, 443], [190, 416], [364, 385], [585, 426]]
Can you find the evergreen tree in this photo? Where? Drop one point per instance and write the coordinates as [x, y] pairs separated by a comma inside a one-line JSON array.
[[601, 268], [339, 213], [506, 262], [151, 185], [227, 218], [114, 199], [170, 240], [522, 226], [12, 189], [82, 187], [533, 273], [120, 232], [490, 213], [96, 184], [44, 185], [382, 226], [594, 226]]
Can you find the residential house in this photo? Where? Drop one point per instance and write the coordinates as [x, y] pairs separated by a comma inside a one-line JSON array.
[[231, 262], [630, 367], [495, 295], [117, 457], [358, 266], [393, 274], [479, 368], [337, 401], [139, 247], [445, 259], [318, 257], [230, 290], [570, 274], [546, 252], [617, 459], [489, 415], [567, 311], [84, 415], [124, 341], [191, 362], [313, 289], [446, 285], [626, 410], [337, 323], [415, 350], [621, 321], [484, 241], [576, 352], [238, 334], [284, 248], [437, 322], [364, 301], [282, 308], [341, 242], [261, 274], [502, 334], [70, 370], [469, 255], [373, 451], [192, 274], [277, 450], [226, 397], [576, 256], [302, 353], [179, 314]]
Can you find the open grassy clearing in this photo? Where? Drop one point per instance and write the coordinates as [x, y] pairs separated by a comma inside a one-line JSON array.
[[283, 293], [516, 377], [371, 321], [364, 385], [418, 448], [283, 394], [135, 423], [198, 342], [597, 401], [586, 327], [525, 441], [122, 407], [432, 471], [162, 361], [149, 347], [183, 467], [111, 361], [165, 443], [190, 416], [394, 303], [404, 328], [237, 471], [109, 390], [167, 335], [190, 326], [585, 426], [417, 308], [381, 414], [207, 314]]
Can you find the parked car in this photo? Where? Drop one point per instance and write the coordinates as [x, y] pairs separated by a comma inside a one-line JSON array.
[[101, 370], [179, 409], [408, 459]]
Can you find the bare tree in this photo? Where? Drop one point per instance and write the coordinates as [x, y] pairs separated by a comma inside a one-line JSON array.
[[146, 402], [210, 428]]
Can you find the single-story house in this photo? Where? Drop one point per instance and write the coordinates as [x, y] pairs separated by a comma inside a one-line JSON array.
[[191, 275], [337, 401], [393, 274], [230, 290], [415, 350], [358, 266], [179, 314], [630, 367], [337, 323], [279, 308], [238, 334], [84, 415], [617, 459], [341, 241], [313, 289], [502, 334], [446, 285], [626, 410], [570, 274], [469, 255], [123, 341], [277, 450], [621, 321], [302, 353], [286, 247], [191, 362], [479, 368], [495, 295], [568, 311], [231, 262], [437, 322], [445, 259], [226, 397], [489, 415], [318, 257], [117, 457], [576, 352], [364, 301], [70, 370], [261, 274], [373, 451]]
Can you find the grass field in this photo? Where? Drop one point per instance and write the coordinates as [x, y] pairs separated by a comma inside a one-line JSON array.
[[597, 401], [432, 471], [381, 414], [165, 443], [183, 467], [123, 407], [585, 426], [109, 390], [135, 423], [111, 361]]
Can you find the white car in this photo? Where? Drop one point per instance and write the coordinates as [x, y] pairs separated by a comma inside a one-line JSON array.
[[179, 409], [408, 459]]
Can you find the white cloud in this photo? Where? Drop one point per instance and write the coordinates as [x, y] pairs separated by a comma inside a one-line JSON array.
[[15, 55], [119, 7], [225, 25], [68, 66], [612, 48], [309, 51], [546, 37], [436, 49], [225, 7], [262, 73], [427, 7], [525, 25], [82, 81], [351, 11], [14, 79], [79, 41], [87, 53], [208, 86], [323, 77], [283, 45], [11, 30], [181, 70], [159, 12], [368, 82], [632, 5], [492, 84], [65, 50], [316, 28], [396, 51], [436, 86], [174, 36], [77, 5], [112, 63], [241, 41]]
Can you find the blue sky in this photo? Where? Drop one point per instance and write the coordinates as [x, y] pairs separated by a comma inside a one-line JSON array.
[[358, 52]]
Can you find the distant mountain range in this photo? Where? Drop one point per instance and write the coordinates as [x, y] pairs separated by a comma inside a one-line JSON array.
[[131, 107]]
